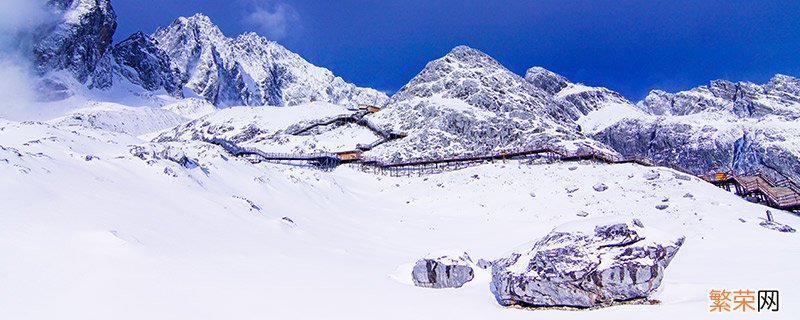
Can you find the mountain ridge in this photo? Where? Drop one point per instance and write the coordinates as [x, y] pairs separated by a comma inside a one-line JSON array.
[[190, 57]]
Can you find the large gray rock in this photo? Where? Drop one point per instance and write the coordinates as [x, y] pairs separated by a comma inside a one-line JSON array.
[[443, 271], [585, 265]]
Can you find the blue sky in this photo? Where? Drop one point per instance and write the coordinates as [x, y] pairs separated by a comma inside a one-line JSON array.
[[628, 46]]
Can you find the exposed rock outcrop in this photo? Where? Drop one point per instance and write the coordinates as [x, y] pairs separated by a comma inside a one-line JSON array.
[[142, 62], [443, 271], [583, 265], [725, 126]]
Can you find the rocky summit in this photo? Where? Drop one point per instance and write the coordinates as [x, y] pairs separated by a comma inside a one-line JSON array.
[[585, 265], [468, 102]]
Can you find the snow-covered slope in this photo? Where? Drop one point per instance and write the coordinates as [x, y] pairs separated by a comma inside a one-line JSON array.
[[249, 69], [135, 120], [98, 224], [468, 102], [265, 128]]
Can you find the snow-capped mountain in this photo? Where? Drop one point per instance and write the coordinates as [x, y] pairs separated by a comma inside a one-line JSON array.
[[467, 102], [574, 100], [249, 69], [190, 57], [117, 209], [725, 126]]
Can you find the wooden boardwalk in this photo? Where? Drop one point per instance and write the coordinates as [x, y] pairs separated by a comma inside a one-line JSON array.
[[781, 194], [357, 118], [326, 160]]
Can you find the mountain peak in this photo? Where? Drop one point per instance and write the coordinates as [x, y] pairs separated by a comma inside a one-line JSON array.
[[199, 25], [198, 18], [470, 57], [784, 83], [463, 50]]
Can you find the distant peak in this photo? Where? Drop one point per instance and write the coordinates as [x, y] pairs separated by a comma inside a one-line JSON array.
[[199, 17], [138, 35], [199, 24], [782, 78], [784, 83], [197, 21], [546, 80], [463, 52]]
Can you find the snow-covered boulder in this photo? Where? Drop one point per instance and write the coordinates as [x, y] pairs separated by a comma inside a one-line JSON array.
[[585, 264], [652, 175], [443, 271]]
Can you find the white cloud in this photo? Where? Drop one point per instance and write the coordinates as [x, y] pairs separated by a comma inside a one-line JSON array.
[[16, 93], [273, 19], [18, 19], [20, 14]]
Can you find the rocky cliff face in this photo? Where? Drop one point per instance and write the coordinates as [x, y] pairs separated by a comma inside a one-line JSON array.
[[742, 99], [468, 102], [77, 41], [142, 62], [740, 127]]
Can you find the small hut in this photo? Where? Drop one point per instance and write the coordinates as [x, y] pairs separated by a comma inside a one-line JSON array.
[[349, 156], [368, 108]]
